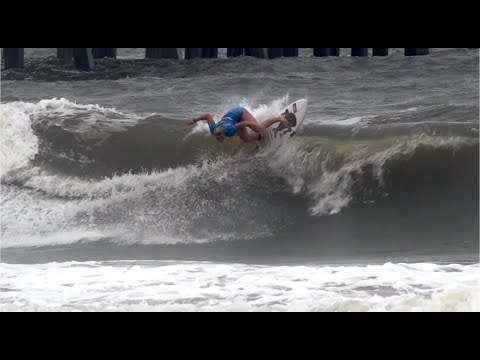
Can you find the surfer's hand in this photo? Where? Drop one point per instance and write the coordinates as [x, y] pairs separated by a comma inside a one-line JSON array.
[[190, 122]]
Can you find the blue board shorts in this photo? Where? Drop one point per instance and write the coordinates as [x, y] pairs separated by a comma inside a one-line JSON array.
[[229, 120]]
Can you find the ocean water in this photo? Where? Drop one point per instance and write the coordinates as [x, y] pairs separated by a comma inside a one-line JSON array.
[[109, 202]]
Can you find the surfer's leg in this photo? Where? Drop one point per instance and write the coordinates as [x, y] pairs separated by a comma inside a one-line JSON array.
[[246, 136], [248, 117], [275, 119], [243, 133]]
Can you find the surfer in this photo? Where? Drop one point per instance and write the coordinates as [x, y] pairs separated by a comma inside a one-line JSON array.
[[236, 121]]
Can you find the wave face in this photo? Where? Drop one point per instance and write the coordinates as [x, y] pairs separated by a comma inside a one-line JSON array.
[[74, 173]]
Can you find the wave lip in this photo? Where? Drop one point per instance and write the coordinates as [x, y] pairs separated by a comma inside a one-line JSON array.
[[19, 144]]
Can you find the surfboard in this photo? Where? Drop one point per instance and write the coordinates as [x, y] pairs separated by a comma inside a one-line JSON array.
[[278, 134]]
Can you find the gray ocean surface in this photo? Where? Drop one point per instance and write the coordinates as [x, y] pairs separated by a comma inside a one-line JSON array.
[[109, 202]]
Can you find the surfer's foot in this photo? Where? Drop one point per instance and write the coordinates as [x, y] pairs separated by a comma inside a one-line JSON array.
[[284, 121]]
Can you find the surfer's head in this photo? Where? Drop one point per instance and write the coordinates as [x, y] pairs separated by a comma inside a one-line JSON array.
[[222, 130], [217, 131]]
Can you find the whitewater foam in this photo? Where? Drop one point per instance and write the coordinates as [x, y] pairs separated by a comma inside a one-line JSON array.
[[192, 286], [19, 145]]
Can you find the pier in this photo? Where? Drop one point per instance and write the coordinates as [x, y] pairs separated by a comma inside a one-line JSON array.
[[83, 58]]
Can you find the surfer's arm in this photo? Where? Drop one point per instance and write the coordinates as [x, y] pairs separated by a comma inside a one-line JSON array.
[[207, 117]]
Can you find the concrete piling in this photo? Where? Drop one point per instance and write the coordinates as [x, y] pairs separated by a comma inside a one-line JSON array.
[[209, 53], [162, 53], [14, 58], [380, 52], [321, 52], [416, 51], [99, 53], [290, 52], [362, 52], [274, 53], [257, 52], [234, 52], [191, 53], [83, 58]]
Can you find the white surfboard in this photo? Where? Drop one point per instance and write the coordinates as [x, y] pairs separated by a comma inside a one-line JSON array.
[[278, 134]]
